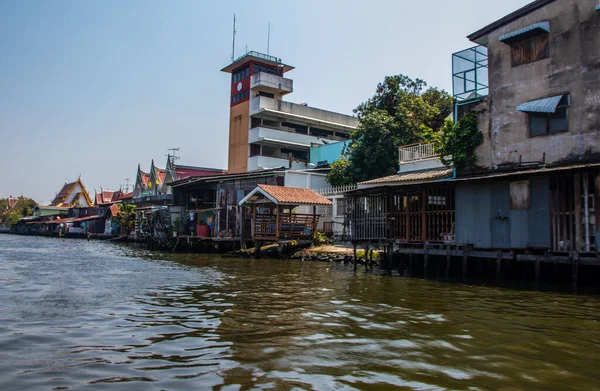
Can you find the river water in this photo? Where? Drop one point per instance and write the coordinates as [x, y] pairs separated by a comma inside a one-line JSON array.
[[79, 315]]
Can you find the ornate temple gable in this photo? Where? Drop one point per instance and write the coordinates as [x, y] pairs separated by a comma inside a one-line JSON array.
[[73, 194], [141, 182]]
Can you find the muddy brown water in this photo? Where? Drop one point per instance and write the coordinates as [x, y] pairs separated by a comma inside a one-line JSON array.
[[79, 315]]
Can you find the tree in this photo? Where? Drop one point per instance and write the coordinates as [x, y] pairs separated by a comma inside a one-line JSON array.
[[24, 207], [402, 111], [126, 217], [456, 143]]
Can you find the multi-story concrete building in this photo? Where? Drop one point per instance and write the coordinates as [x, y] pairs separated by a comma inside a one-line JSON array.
[[543, 66], [266, 131]]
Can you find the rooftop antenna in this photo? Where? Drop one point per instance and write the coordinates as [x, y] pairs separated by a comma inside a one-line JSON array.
[[233, 45], [126, 185], [172, 154], [269, 38]]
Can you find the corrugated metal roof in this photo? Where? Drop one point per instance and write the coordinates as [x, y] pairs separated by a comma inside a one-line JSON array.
[[534, 28], [524, 172], [411, 177], [546, 105]]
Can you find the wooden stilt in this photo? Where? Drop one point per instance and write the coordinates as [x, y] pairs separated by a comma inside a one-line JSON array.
[[537, 273], [355, 257], [425, 260], [575, 269], [499, 266], [366, 257], [257, 249], [464, 266], [410, 262], [448, 260]]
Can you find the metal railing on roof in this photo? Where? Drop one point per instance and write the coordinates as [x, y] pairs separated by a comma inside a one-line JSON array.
[[335, 190], [259, 55], [414, 152]]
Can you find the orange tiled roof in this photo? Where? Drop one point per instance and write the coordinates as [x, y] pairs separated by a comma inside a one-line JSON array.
[[104, 197], [296, 196], [114, 210]]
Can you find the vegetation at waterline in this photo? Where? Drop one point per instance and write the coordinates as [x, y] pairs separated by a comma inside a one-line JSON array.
[[403, 111], [24, 207], [125, 218]]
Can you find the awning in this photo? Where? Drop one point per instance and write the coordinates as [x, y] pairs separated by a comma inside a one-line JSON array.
[[546, 105], [534, 29]]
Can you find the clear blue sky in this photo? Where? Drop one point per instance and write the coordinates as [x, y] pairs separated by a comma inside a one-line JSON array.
[[96, 87]]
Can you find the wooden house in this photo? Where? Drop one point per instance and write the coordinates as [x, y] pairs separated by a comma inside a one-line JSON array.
[[275, 216], [175, 172], [212, 202]]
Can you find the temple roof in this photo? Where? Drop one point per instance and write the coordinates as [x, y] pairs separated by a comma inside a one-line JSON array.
[[66, 190]]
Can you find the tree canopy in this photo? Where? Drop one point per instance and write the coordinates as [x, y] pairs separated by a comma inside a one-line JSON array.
[[402, 111], [9, 216]]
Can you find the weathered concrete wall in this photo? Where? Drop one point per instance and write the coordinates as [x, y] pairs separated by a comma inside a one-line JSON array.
[[485, 219], [572, 68], [238, 138]]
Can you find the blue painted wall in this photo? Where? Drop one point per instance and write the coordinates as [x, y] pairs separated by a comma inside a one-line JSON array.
[[329, 152], [485, 220]]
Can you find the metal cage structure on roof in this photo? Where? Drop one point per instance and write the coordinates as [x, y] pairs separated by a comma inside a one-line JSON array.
[[470, 74]]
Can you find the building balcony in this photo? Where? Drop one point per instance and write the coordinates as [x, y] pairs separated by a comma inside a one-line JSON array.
[[265, 162], [301, 113], [419, 157], [282, 138], [272, 83]]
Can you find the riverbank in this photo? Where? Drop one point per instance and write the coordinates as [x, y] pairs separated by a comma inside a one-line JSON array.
[[558, 277]]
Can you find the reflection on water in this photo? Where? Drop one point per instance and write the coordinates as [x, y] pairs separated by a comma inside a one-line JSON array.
[[78, 315]]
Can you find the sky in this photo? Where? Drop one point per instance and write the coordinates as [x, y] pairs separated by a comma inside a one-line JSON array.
[[94, 88]]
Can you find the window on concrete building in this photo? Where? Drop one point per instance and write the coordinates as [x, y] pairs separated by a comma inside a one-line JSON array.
[[255, 122], [271, 123], [266, 94], [321, 132], [548, 123], [265, 69], [530, 49], [254, 150], [241, 74], [302, 129]]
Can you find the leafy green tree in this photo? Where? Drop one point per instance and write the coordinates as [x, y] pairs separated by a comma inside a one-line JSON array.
[[24, 207], [126, 217], [456, 143], [402, 111]]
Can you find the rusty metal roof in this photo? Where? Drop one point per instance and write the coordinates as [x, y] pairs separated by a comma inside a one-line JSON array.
[[412, 177], [531, 171]]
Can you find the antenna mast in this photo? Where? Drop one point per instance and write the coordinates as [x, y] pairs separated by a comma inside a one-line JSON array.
[[269, 38], [233, 45]]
